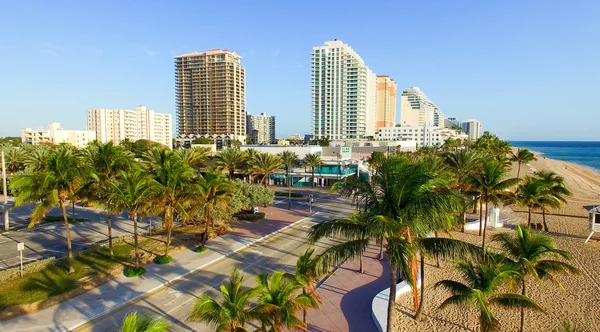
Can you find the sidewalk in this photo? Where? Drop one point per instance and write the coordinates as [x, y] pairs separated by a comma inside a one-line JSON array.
[[347, 296], [119, 291]]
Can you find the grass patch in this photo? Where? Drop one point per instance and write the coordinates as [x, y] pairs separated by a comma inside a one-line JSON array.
[[251, 216], [285, 194], [161, 260], [200, 249], [132, 272], [60, 219], [55, 280]]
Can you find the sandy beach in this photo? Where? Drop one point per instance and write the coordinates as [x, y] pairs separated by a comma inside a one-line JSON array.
[[579, 301]]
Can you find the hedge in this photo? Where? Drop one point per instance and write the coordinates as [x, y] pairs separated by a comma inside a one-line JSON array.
[[133, 272], [161, 260], [251, 216], [13, 272]]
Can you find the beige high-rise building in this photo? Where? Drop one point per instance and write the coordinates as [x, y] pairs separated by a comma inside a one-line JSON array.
[[261, 128], [386, 102], [416, 109], [211, 95], [141, 123]]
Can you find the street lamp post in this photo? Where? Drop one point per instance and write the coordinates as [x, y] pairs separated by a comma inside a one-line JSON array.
[[289, 192], [6, 226]]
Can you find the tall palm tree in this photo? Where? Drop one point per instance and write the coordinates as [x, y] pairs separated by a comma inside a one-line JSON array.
[[15, 160], [290, 160], [36, 157], [283, 299], [134, 191], [231, 159], [492, 183], [313, 161], [484, 280], [309, 271], [233, 312], [107, 161], [556, 192], [195, 157], [523, 156], [134, 323], [464, 164], [60, 176], [533, 254], [217, 192], [264, 164], [530, 193], [174, 176]]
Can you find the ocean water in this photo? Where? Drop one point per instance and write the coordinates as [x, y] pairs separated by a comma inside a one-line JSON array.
[[583, 153]]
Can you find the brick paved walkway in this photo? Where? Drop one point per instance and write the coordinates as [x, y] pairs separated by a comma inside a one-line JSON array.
[[347, 296]]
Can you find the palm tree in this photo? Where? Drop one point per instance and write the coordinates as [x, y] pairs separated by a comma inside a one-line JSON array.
[[492, 184], [463, 163], [523, 156], [231, 159], [217, 192], [264, 164], [556, 192], [233, 312], [15, 160], [174, 176], [290, 160], [481, 290], [134, 191], [107, 161], [36, 156], [134, 323], [61, 176], [283, 299], [194, 157], [533, 254], [313, 161], [309, 271], [530, 193]]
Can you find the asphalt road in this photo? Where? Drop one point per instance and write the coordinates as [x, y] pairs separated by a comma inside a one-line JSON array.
[[278, 252]]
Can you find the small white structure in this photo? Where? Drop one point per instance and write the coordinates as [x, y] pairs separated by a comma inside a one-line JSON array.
[[594, 219], [493, 221]]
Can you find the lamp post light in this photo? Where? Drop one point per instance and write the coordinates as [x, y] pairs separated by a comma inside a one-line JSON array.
[[6, 222]]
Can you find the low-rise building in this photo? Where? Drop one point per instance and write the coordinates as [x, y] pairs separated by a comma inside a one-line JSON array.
[[423, 135], [57, 135]]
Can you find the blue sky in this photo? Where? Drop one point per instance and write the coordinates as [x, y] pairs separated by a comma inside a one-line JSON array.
[[528, 70]]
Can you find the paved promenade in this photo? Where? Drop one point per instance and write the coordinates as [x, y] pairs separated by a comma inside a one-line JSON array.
[[347, 296]]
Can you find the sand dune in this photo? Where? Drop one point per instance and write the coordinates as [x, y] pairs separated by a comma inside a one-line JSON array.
[[580, 299]]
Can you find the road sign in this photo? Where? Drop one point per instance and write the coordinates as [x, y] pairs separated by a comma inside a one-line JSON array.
[[20, 246]]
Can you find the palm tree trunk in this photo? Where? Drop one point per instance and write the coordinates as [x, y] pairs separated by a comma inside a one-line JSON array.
[[68, 235], [480, 215], [381, 249], [170, 228], [135, 241], [73, 209], [464, 220], [544, 220], [392, 300], [110, 246], [529, 217], [420, 310], [360, 268], [487, 213], [523, 311], [312, 179], [519, 171]]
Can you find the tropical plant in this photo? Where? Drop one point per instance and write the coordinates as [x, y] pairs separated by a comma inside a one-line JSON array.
[[523, 156], [483, 282], [134, 191], [231, 160], [556, 192], [60, 176], [176, 189], [312, 160], [264, 164], [283, 299], [464, 164], [233, 312], [107, 161], [36, 157], [15, 160], [533, 254], [530, 193], [134, 323], [290, 160], [195, 157], [309, 271], [245, 196], [491, 182], [216, 194]]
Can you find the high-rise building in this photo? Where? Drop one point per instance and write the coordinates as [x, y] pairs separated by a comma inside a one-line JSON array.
[[116, 125], [472, 128], [261, 128], [57, 135], [211, 95], [386, 102], [439, 120], [416, 109], [344, 93]]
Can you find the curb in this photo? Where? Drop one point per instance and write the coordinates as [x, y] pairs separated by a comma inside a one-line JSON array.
[[145, 294]]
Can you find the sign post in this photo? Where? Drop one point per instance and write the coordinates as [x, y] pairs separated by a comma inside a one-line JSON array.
[[20, 248], [6, 226]]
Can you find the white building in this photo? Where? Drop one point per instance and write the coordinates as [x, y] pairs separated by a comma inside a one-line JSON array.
[[116, 125], [424, 136], [261, 128], [472, 128], [344, 93], [57, 135], [416, 109]]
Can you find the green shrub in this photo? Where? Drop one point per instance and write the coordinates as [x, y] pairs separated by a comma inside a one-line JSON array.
[[200, 249], [284, 194], [132, 272], [163, 260], [251, 216]]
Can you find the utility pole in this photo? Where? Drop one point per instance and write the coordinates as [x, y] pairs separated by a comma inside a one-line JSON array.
[[289, 192], [6, 226]]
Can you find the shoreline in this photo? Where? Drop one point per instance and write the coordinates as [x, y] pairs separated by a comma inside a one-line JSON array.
[[541, 155]]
